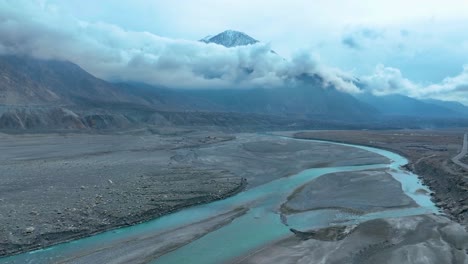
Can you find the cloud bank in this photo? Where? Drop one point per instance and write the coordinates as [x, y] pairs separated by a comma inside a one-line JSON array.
[[388, 80], [40, 29]]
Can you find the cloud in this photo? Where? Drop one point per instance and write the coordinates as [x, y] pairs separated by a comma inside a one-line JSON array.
[[388, 80], [360, 37], [425, 51], [451, 88], [307, 21], [350, 42], [40, 29], [404, 33]]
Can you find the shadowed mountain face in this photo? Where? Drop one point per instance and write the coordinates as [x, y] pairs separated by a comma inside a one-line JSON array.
[[306, 101], [454, 106], [48, 94], [29, 81], [400, 105], [230, 38]]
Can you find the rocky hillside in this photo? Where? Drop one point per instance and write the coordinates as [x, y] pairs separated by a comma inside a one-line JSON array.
[[29, 81]]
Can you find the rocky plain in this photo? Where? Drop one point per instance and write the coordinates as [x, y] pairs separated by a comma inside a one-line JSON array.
[[59, 187]]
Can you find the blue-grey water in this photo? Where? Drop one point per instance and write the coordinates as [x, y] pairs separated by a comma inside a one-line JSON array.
[[258, 227]]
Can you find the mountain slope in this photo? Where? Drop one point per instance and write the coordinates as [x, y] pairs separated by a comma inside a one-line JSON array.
[[454, 106], [29, 81], [230, 38], [400, 105], [308, 100], [50, 94]]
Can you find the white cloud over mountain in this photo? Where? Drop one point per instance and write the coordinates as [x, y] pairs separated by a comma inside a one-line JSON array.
[[388, 80], [111, 51]]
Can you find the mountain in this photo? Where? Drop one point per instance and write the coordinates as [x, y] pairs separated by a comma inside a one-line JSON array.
[[30, 81], [454, 106], [404, 106], [307, 100], [51, 94], [230, 38]]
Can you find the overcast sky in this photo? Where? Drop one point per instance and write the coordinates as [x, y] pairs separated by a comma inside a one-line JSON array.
[[414, 47]]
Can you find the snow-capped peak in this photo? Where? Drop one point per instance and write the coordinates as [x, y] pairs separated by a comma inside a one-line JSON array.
[[230, 38]]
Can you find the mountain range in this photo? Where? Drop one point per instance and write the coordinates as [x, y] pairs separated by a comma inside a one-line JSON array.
[[50, 94], [403, 106]]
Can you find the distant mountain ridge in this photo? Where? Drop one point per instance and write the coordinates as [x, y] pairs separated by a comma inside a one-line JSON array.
[[404, 106], [306, 101], [46, 94], [230, 38], [454, 106]]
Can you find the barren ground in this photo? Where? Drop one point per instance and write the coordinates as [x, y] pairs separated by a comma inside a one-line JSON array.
[[59, 187]]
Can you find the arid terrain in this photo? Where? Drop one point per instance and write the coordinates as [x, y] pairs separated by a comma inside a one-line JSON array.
[[430, 153], [57, 187]]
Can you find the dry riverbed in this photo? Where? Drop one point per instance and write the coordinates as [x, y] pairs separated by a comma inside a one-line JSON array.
[[56, 187]]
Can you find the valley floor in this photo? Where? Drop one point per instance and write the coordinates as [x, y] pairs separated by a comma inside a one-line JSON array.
[[60, 187]]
